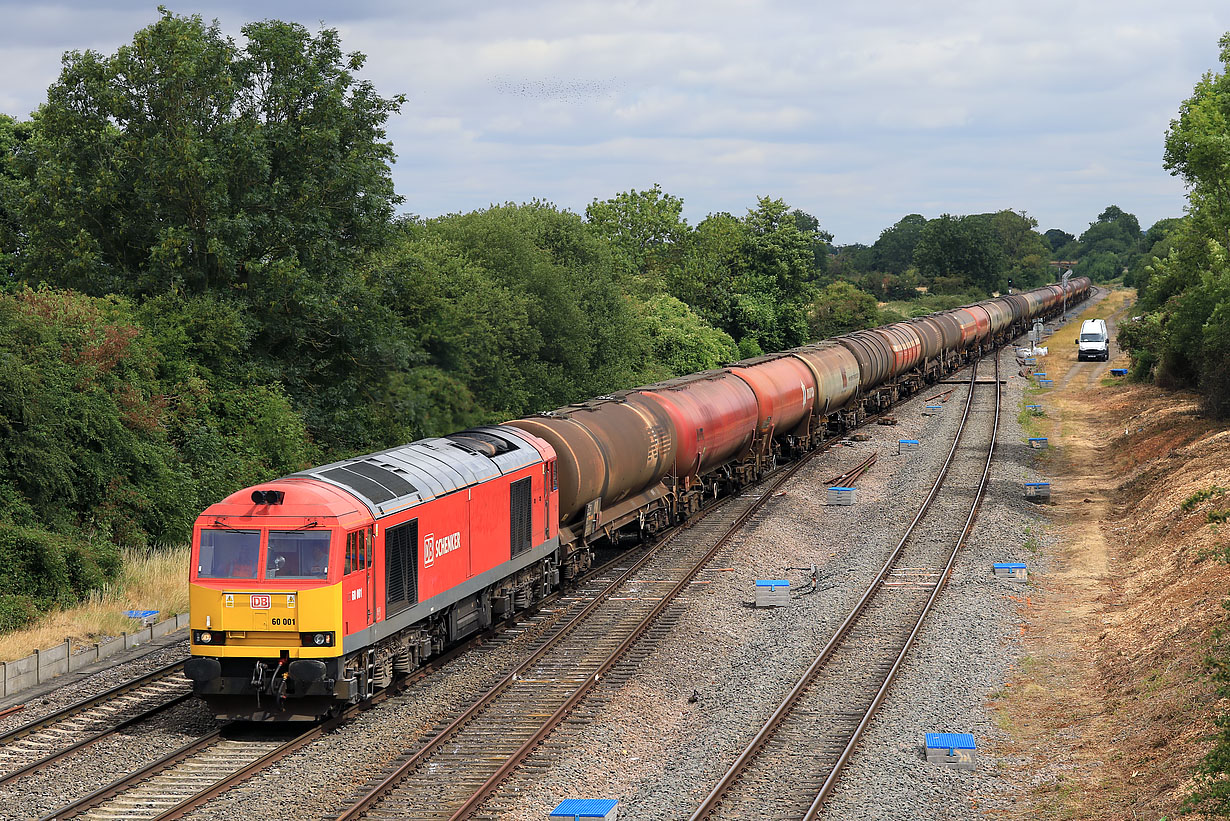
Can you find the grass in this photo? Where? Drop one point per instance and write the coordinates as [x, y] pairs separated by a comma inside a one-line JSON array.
[[148, 581]]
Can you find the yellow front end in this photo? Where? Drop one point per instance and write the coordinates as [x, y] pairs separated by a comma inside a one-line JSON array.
[[262, 623]]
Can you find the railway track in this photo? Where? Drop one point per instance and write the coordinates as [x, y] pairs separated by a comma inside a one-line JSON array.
[[188, 777], [463, 764], [49, 739], [813, 732]]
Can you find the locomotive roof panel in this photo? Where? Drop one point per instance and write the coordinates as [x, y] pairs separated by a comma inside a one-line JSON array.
[[410, 474]]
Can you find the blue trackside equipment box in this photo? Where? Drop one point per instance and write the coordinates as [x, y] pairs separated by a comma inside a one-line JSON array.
[[1011, 571], [1045, 383], [581, 808], [772, 592], [1038, 491], [1118, 371], [955, 750], [1038, 442], [906, 445], [841, 496], [146, 617]]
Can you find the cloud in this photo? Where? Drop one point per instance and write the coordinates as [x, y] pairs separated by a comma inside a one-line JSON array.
[[857, 113]]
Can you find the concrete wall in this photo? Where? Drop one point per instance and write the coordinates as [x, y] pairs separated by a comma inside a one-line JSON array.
[[42, 665]]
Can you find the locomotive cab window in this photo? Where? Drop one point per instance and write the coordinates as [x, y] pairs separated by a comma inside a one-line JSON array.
[[228, 554], [298, 554], [357, 556]]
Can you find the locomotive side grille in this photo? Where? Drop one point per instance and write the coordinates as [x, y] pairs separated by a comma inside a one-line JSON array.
[[520, 517], [401, 550]]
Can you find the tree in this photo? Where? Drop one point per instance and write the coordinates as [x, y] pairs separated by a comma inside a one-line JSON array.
[[893, 252], [1056, 238], [681, 341], [646, 226], [184, 160], [959, 247], [184, 163], [1182, 338], [13, 136], [840, 308], [1110, 245]]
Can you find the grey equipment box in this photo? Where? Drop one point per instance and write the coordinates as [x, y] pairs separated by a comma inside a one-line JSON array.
[[956, 750], [841, 496], [772, 592], [1011, 571]]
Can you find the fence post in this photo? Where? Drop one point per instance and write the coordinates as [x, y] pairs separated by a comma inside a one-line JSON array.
[[38, 668]]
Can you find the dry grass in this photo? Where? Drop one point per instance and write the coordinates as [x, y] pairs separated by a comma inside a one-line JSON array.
[[148, 581]]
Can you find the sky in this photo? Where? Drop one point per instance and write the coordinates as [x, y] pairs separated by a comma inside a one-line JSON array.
[[857, 113]]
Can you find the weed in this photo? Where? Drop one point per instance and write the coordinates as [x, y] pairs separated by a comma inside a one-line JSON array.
[[1031, 544], [1189, 504], [1217, 516]]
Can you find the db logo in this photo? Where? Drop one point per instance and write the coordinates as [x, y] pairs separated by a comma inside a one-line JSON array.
[[433, 548], [260, 602]]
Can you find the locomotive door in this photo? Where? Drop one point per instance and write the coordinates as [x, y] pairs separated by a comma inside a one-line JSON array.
[[357, 581]]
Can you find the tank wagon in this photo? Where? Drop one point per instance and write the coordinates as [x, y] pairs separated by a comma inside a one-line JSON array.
[[313, 591]]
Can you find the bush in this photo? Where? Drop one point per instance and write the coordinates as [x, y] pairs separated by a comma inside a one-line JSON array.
[[51, 569], [17, 611]]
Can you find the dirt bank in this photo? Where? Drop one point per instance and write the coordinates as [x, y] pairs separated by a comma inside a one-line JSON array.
[[1110, 711]]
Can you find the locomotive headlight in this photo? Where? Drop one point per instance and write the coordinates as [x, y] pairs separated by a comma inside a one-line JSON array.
[[204, 637], [321, 639]]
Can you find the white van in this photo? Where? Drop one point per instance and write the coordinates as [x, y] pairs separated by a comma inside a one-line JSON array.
[[1094, 342]]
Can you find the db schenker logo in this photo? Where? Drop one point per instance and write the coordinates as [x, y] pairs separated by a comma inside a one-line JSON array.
[[434, 547]]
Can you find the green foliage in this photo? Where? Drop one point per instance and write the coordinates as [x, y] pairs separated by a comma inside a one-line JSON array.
[[840, 308], [960, 247], [558, 304], [186, 164], [1189, 504], [1056, 238], [1182, 338], [681, 342], [893, 252], [646, 227], [1214, 517], [40, 570]]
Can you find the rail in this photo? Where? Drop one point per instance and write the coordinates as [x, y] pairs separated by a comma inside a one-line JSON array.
[[726, 784]]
